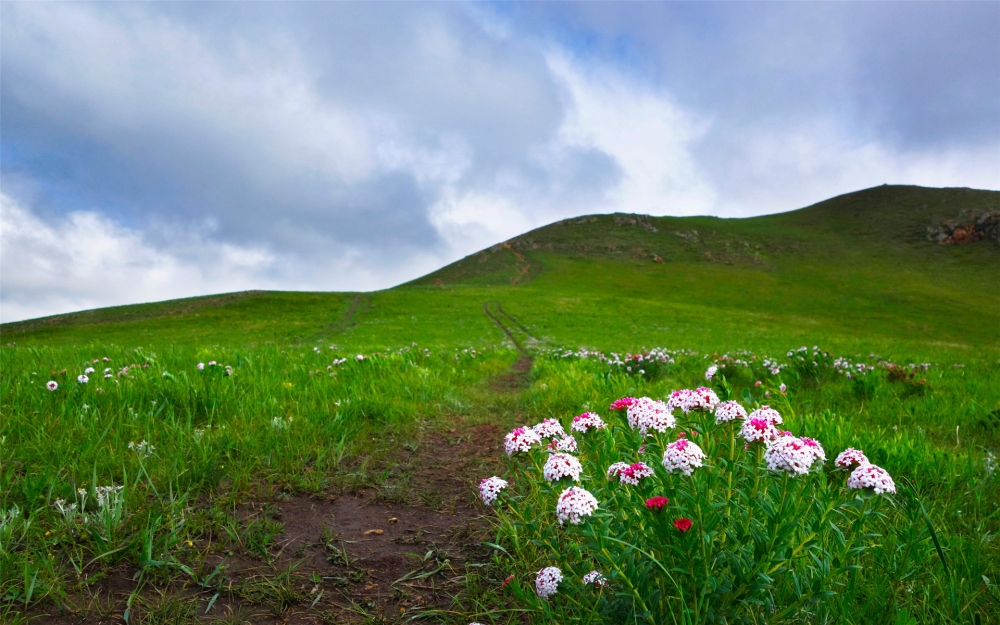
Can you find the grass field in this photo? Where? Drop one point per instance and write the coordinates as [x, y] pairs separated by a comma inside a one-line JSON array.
[[267, 481]]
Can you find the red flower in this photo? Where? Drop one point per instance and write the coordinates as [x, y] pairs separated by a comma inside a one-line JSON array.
[[683, 524], [623, 403], [657, 503], [507, 581], [681, 434]]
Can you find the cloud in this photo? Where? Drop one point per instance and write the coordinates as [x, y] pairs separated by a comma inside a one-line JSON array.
[[217, 146]]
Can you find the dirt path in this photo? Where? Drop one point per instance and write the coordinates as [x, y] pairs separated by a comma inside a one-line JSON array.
[[382, 553], [519, 376], [523, 265]]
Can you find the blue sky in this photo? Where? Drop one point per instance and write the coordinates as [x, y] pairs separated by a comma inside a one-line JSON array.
[[158, 150]]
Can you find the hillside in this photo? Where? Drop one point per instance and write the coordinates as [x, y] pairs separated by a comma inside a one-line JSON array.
[[855, 270]]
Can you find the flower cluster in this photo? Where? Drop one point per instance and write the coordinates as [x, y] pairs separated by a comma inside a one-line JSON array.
[[850, 457], [682, 455], [567, 443], [648, 414], [547, 581], [873, 477], [574, 504], [767, 413], [595, 578], [700, 399], [520, 440], [729, 411], [561, 465], [143, 450], [489, 489], [710, 372], [587, 421], [657, 503], [633, 473], [623, 403], [549, 428], [789, 454], [758, 430]]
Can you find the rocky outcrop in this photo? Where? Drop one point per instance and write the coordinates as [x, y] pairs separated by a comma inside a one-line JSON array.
[[972, 226]]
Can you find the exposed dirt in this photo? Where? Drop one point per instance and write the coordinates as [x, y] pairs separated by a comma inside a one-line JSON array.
[[339, 558]]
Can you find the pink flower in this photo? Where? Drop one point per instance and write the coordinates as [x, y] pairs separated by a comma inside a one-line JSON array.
[[623, 403], [729, 411], [549, 428], [657, 503], [201, 366], [615, 469], [873, 477], [755, 429], [567, 443], [648, 414], [851, 457], [547, 581], [489, 489], [757, 383], [587, 421], [507, 581], [789, 454], [52, 385], [815, 447], [520, 439], [782, 388], [559, 466], [574, 504], [595, 578], [766, 412], [635, 472], [682, 455], [683, 524], [700, 399]]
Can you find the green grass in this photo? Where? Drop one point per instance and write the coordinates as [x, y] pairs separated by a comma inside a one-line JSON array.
[[854, 275]]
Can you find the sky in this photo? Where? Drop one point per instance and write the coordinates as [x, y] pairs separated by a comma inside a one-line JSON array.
[[150, 151]]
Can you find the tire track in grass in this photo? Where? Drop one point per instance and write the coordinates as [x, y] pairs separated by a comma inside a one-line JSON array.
[[347, 321], [518, 377]]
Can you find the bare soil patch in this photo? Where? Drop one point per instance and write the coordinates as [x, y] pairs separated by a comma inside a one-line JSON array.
[[374, 555]]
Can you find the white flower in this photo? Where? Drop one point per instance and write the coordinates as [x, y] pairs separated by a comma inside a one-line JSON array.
[[360, 357], [201, 366], [873, 477], [51, 385], [549, 428], [520, 439], [561, 465], [710, 372], [567, 443], [489, 489], [82, 379], [595, 578], [547, 582], [729, 411], [88, 370], [850, 457], [782, 388], [767, 413], [648, 414], [682, 455], [574, 504], [280, 424], [587, 421], [789, 454], [143, 450]]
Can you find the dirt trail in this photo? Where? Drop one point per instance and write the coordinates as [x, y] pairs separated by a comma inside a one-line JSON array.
[[382, 553], [523, 265]]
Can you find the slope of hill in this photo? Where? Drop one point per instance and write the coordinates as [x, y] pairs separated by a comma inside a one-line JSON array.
[[858, 269]]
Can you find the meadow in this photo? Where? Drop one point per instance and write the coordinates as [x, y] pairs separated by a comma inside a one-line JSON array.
[[315, 457]]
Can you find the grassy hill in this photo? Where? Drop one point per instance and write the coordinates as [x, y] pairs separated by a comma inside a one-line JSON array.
[[211, 460], [857, 269]]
